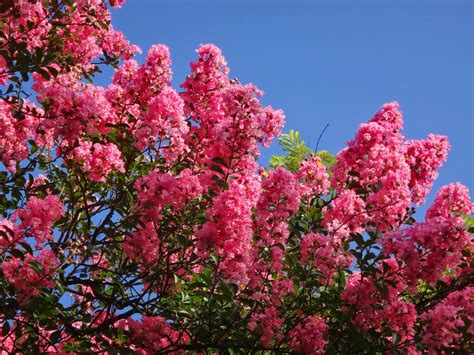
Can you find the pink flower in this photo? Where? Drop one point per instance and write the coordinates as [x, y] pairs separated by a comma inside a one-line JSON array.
[[374, 165], [279, 200], [30, 275], [424, 158], [308, 336], [324, 254], [97, 159], [451, 201], [143, 245], [38, 216], [228, 120], [73, 108], [268, 324], [14, 134], [3, 71], [428, 249], [346, 215], [443, 321], [158, 190], [114, 43], [145, 93], [153, 333], [314, 176], [374, 309], [9, 235], [228, 230]]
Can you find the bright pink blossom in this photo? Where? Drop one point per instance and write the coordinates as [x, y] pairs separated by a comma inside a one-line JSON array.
[[9, 235], [346, 215], [229, 119], [308, 336], [314, 176], [279, 200], [38, 216], [268, 324], [324, 254], [158, 190], [153, 333], [443, 321], [424, 158], [228, 230], [145, 93], [73, 108], [142, 246], [427, 249], [451, 201], [377, 309], [98, 160], [30, 275], [374, 165], [14, 133]]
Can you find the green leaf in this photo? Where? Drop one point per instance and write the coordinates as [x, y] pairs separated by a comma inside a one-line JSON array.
[[17, 253], [44, 73], [220, 161], [36, 266], [54, 338], [218, 169], [5, 328], [295, 149]]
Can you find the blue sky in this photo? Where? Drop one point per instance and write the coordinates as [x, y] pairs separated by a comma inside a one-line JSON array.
[[333, 62]]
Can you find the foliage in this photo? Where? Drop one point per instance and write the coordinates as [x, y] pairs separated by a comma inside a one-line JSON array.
[[136, 219], [296, 151]]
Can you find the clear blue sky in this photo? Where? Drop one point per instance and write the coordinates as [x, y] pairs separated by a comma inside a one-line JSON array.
[[333, 62]]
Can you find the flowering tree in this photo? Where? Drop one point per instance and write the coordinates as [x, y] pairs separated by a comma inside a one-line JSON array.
[[135, 218]]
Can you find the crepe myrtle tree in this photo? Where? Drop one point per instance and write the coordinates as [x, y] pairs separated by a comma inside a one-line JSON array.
[[136, 219]]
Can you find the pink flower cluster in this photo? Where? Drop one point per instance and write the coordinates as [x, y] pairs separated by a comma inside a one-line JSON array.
[[427, 249], [323, 253], [229, 119], [3, 71], [374, 309], [9, 235], [84, 41], [280, 196], [153, 333], [314, 177], [73, 108], [28, 279], [269, 325], [308, 336], [13, 135], [157, 190], [452, 202], [142, 246], [157, 111], [345, 215], [98, 160], [386, 173], [278, 201], [38, 215], [228, 230], [373, 165], [443, 321], [424, 157]]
